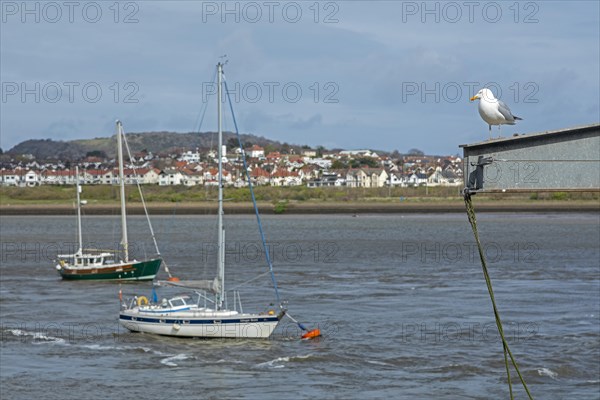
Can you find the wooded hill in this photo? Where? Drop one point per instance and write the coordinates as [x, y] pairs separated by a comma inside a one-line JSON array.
[[155, 142]]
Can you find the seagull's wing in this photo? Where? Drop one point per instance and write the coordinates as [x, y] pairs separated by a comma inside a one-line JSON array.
[[505, 111]]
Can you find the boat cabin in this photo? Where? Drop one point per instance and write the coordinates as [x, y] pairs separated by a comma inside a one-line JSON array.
[[178, 303], [87, 260]]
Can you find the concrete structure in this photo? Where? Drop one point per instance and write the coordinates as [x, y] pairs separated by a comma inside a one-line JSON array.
[[561, 160]]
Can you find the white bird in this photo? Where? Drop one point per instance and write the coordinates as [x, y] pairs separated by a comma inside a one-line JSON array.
[[492, 110]]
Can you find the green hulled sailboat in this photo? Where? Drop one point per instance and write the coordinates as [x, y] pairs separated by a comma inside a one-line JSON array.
[[96, 264]]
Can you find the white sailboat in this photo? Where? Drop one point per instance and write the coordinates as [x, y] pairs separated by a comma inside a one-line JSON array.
[[204, 314], [95, 264]]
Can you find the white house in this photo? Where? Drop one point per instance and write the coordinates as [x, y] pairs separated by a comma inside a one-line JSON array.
[[256, 152], [99, 177], [147, 176], [359, 153], [366, 177], [58, 177], [294, 162], [376, 177], [327, 179], [10, 177], [356, 178], [436, 178], [210, 177], [192, 177], [32, 178], [417, 179], [397, 179], [169, 177], [20, 177], [141, 175], [260, 176], [446, 177], [320, 162], [283, 177], [190, 156]]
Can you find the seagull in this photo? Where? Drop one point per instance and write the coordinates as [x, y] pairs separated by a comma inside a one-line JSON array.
[[492, 110]]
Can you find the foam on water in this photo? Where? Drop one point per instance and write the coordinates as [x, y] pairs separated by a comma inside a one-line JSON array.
[[280, 361], [37, 337], [223, 361], [547, 372], [274, 363], [116, 348], [169, 361], [375, 362]]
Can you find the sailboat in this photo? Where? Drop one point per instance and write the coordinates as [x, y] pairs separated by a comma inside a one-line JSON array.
[[204, 314], [96, 264]]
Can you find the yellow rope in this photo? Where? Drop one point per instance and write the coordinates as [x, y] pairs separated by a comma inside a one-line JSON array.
[[505, 347]]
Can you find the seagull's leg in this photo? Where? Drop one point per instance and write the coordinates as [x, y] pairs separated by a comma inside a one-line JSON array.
[[490, 131]]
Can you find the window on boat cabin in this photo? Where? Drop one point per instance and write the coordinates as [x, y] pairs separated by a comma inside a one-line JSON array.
[[177, 302]]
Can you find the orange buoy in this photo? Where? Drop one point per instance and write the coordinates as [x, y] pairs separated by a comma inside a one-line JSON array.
[[173, 279], [312, 334]]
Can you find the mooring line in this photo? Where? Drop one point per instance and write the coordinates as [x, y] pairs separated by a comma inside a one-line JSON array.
[[505, 347]]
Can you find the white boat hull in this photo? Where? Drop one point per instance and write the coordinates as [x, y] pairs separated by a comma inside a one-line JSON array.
[[240, 326]]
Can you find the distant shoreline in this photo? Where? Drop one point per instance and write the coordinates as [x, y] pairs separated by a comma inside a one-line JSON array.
[[207, 208]]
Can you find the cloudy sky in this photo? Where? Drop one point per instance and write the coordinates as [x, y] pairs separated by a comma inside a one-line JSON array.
[[348, 74]]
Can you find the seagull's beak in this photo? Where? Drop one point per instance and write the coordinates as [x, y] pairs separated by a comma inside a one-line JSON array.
[[474, 98]]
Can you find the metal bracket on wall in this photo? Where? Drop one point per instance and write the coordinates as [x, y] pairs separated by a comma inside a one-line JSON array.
[[475, 181]]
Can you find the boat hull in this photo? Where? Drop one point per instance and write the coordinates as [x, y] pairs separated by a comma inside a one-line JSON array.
[[138, 271], [237, 327]]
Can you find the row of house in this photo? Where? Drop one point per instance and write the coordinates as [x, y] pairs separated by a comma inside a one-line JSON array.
[[22, 177], [274, 168], [379, 177], [352, 178]]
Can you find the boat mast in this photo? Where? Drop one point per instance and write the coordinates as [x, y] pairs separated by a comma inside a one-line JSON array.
[[221, 232], [80, 251], [124, 241]]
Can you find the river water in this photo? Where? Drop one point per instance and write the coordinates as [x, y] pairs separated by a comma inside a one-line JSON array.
[[401, 302]]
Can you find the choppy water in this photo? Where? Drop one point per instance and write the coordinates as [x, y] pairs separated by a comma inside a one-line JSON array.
[[401, 301]]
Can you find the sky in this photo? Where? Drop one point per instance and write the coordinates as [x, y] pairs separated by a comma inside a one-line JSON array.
[[384, 75]]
